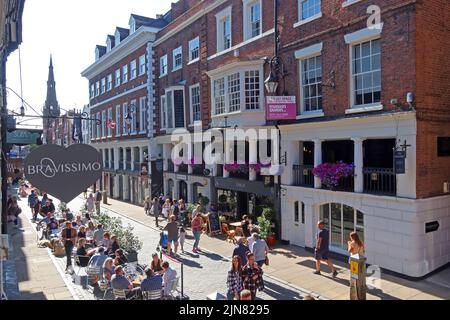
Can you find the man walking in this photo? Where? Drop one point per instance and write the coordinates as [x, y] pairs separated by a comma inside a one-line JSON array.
[[321, 251], [32, 199], [156, 209], [98, 199]]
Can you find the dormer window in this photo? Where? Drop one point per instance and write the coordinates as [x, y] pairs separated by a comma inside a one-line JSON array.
[[97, 54], [132, 26], [117, 35], [108, 44]]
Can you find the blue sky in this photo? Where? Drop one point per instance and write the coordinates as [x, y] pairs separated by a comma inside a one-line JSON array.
[[69, 30]]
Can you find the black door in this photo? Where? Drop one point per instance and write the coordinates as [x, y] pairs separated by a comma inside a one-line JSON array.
[[183, 190]]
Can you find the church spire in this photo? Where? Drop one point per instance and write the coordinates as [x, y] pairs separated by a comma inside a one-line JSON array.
[[51, 103]]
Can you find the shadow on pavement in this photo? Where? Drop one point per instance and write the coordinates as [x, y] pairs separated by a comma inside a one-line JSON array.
[[278, 292], [213, 256]]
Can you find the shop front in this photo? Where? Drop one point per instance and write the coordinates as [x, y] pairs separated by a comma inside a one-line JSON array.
[[236, 197]]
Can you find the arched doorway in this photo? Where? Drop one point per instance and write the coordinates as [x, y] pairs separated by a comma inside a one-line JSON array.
[[341, 220], [182, 190], [170, 188]]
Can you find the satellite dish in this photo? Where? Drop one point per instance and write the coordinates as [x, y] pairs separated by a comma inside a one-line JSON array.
[[207, 172]]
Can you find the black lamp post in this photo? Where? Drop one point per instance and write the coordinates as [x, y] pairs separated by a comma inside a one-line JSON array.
[[275, 63]]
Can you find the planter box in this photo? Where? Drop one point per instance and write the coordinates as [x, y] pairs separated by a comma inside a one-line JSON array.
[[132, 257]]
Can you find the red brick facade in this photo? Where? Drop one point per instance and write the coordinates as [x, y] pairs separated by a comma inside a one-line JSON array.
[[414, 58]]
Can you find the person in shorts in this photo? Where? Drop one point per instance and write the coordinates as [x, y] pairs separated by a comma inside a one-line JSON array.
[[321, 251], [172, 232]]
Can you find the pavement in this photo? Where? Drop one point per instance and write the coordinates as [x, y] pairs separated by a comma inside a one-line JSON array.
[[289, 276]]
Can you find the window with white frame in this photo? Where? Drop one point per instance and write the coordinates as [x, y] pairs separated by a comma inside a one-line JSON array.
[[234, 92], [94, 129], [103, 123], [196, 114], [92, 90], [117, 78], [252, 90], [163, 112], [366, 73], [124, 121], [163, 65], [169, 108], [194, 49], [103, 86], [133, 117], [142, 66], [133, 70], [142, 115], [109, 83], [125, 73], [177, 58], [223, 26], [219, 96], [309, 9], [118, 122], [311, 84], [252, 18], [97, 88], [98, 135], [108, 122], [237, 91]]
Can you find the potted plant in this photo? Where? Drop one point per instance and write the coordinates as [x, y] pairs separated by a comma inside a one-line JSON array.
[[265, 226], [130, 243]]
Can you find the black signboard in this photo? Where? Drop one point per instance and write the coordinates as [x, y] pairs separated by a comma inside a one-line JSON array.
[[399, 162], [214, 223], [431, 226], [63, 172]]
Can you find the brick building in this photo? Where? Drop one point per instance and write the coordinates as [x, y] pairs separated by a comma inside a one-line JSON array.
[[121, 88], [361, 94]]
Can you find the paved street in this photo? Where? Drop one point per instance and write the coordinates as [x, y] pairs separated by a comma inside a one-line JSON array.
[[41, 275]]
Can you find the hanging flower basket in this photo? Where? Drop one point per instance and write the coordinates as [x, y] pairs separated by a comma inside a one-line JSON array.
[[330, 174]]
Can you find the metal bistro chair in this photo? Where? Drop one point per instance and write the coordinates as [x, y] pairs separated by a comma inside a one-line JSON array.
[[173, 285], [152, 295], [105, 286], [93, 273], [121, 295]]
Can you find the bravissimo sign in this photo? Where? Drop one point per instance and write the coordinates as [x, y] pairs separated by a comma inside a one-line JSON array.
[[63, 172]]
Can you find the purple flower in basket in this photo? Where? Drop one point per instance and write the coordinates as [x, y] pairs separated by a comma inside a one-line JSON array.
[[331, 173]]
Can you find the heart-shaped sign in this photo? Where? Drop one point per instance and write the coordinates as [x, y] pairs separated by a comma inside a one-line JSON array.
[[63, 172]]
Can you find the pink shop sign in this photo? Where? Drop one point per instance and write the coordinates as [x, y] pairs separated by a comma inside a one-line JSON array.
[[281, 108]]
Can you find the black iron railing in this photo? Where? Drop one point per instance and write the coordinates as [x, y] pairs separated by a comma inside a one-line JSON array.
[[170, 167], [183, 168], [303, 176], [380, 181], [198, 169]]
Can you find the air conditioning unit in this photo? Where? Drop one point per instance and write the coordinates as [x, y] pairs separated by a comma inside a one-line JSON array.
[[446, 187]]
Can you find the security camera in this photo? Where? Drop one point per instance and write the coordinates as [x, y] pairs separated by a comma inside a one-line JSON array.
[[410, 97]]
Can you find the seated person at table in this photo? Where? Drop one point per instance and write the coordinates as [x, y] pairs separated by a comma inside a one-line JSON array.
[[86, 219], [96, 262], [155, 265], [78, 221], [120, 282], [168, 277], [108, 269], [120, 257], [98, 235], [152, 282], [81, 249], [106, 242], [67, 215], [82, 232], [114, 246], [90, 230]]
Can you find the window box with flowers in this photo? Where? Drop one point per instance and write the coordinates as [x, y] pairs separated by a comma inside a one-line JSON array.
[[335, 176]]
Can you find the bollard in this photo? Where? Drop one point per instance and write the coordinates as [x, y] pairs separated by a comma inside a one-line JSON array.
[[105, 197], [357, 277]]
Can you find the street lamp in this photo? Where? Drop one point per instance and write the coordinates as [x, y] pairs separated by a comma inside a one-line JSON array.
[[129, 117], [271, 82]]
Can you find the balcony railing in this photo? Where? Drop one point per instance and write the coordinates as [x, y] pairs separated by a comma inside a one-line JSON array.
[[120, 165], [380, 181], [239, 175], [346, 184], [170, 167], [303, 176], [183, 168], [137, 166], [127, 165], [220, 170]]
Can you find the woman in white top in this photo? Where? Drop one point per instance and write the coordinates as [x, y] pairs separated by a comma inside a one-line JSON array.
[[166, 208], [90, 203]]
